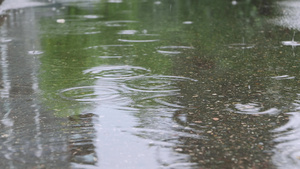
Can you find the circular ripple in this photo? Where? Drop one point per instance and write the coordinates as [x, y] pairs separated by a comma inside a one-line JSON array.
[[116, 72], [254, 108], [172, 49], [138, 41], [155, 83], [119, 23], [89, 93]]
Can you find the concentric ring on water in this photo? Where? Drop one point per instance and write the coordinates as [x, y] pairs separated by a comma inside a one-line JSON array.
[[155, 83], [89, 93], [119, 23], [172, 49], [116, 72], [138, 41], [254, 108]]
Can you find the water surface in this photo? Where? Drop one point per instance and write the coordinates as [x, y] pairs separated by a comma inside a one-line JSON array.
[[149, 84]]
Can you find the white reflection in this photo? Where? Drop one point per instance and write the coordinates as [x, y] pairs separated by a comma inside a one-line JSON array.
[[254, 108], [283, 77], [114, 1], [291, 14], [17, 4], [127, 32], [4, 92], [287, 151]]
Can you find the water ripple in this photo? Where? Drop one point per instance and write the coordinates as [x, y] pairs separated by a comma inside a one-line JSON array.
[[287, 151], [89, 93], [254, 109], [155, 92], [127, 32], [156, 83], [138, 41], [283, 77], [119, 23], [116, 72], [163, 137], [172, 49], [108, 46]]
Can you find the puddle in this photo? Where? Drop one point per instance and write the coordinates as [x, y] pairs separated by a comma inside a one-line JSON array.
[[100, 87]]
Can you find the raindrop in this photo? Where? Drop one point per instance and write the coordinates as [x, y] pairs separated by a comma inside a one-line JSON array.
[[242, 45]]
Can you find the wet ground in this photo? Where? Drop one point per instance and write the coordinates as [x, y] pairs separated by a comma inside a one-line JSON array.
[[149, 84]]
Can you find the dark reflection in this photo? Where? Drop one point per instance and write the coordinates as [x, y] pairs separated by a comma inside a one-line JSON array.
[[81, 141]]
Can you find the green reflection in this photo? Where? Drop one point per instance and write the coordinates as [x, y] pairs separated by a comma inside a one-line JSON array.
[[233, 52]]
